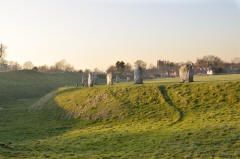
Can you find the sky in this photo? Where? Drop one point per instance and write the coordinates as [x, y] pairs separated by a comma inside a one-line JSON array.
[[97, 33]]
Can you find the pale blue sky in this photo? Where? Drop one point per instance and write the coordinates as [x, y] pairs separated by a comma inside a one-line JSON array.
[[97, 33]]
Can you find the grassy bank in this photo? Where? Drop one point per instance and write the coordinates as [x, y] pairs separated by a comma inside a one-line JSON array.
[[30, 84], [160, 119]]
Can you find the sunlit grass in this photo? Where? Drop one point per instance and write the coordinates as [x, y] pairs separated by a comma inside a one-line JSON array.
[[162, 119]]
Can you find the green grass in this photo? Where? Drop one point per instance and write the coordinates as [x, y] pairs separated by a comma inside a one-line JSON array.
[[160, 119], [31, 84]]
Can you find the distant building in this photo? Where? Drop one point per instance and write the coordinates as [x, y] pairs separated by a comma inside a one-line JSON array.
[[210, 71]]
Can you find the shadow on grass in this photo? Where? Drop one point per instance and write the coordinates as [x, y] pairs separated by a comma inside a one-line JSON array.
[[141, 143], [169, 101], [18, 125]]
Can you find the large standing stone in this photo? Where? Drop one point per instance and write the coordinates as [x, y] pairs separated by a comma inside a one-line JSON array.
[[84, 80], [186, 73], [90, 80], [138, 75], [117, 79], [109, 79]]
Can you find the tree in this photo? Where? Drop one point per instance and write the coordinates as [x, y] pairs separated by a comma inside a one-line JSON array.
[[63, 66], [167, 68], [236, 60], [87, 71], [97, 71], [128, 69], [28, 65], [120, 66], [140, 63], [69, 68], [120, 69], [111, 69], [44, 68], [14, 65], [80, 71], [2, 50], [210, 61], [60, 65], [2, 53]]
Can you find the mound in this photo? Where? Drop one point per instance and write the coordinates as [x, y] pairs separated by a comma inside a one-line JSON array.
[[196, 120], [168, 103], [109, 103]]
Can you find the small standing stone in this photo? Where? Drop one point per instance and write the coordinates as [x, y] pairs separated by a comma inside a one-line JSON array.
[[84, 80], [109, 79], [90, 80], [138, 75], [186, 73]]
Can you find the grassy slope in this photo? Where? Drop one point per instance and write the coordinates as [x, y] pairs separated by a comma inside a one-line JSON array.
[[197, 120], [18, 90], [30, 84]]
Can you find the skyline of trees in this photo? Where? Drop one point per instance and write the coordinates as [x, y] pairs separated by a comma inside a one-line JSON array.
[[167, 68], [123, 69]]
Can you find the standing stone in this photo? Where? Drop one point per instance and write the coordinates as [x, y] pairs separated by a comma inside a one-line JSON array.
[[90, 80], [84, 80], [186, 73], [109, 79], [128, 79], [117, 79], [138, 75]]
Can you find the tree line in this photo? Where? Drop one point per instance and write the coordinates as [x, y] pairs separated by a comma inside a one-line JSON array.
[[123, 69]]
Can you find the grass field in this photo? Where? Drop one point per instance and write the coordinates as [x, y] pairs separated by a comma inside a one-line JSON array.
[[160, 119], [31, 84]]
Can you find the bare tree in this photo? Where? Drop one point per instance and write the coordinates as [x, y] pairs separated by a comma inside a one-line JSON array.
[[44, 68], [28, 65], [210, 61], [97, 71], [128, 70], [2, 53], [140, 63], [62, 66], [69, 68], [87, 71], [2, 50], [14, 65], [236, 60], [111, 69]]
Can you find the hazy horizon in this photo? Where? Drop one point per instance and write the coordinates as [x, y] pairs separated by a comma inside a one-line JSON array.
[[97, 33]]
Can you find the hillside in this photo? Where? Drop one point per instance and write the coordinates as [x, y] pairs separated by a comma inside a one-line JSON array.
[[160, 119], [27, 84], [192, 120]]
